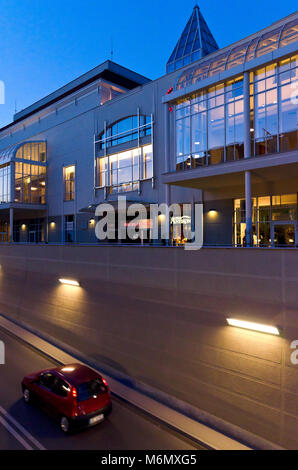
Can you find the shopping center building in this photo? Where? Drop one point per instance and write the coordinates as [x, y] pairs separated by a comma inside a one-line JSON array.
[[219, 128]]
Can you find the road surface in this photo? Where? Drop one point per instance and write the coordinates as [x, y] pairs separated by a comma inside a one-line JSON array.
[[27, 427]]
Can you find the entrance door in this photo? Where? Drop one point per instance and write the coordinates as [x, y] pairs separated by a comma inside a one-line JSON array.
[[283, 234]]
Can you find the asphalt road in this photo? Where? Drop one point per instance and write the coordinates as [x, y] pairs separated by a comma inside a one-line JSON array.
[[27, 427]]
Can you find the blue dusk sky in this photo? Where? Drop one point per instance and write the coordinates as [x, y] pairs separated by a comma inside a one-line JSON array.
[[47, 43]]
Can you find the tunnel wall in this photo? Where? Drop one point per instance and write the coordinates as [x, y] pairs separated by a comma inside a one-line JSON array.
[[159, 315]]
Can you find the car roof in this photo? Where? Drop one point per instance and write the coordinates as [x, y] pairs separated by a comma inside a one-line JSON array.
[[77, 374]]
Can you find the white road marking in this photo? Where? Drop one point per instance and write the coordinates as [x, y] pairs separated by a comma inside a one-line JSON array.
[[21, 428], [15, 434]]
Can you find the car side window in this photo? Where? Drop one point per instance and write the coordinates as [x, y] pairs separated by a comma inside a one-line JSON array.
[[46, 380], [60, 387]]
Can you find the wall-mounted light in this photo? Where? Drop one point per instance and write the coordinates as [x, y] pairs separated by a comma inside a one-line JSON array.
[[23, 226], [212, 213], [53, 225], [247, 325], [69, 282], [92, 222]]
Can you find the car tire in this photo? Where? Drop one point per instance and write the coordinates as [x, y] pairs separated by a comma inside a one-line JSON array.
[[65, 425], [26, 396]]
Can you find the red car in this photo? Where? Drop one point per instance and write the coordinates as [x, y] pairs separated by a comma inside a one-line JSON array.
[[75, 394]]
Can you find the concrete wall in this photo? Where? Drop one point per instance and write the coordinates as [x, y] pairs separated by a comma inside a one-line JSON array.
[[158, 314]]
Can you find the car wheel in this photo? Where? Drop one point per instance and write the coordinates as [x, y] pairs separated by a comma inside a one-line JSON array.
[[26, 395], [64, 424]]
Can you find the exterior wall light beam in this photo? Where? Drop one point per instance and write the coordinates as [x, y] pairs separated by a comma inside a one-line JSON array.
[[69, 282], [272, 330]]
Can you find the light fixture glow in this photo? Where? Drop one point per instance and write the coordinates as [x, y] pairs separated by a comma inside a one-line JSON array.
[[212, 213], [247, 325], [69, 282]]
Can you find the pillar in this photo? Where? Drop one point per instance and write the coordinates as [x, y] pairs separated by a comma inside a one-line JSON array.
[[247, 154], [248, 209], [11, 225]]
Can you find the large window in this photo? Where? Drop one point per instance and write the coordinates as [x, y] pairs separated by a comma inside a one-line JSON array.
[[210, 126], [30, 183], [274, 221], [125, 130], [35, 151], [5, 184], [69, 175], [274, 107], [123, 171]]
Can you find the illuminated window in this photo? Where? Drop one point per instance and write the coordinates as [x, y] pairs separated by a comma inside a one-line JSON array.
[[210, 126], [123, 171], [35, 151], [274, 111], [274, 221], [69, 173], [30, 183], [5, 183]]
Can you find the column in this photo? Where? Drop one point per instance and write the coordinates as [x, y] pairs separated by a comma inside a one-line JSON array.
[[11, 225], [167, 163], [248, 209], [247, 154], [246, 94]]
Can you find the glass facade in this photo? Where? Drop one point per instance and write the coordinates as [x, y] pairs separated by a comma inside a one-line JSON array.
[[257, 47], [274, 221], [123, 171], [69, 176], [125, 130], [210, 124], [274, 111], [30, 183], [23, 173], [5, 182], [35, 151]]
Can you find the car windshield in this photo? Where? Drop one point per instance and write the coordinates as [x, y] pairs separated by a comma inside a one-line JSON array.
[[90, 389]]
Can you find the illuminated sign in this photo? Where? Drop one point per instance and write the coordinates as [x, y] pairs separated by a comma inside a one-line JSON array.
[[184, 220]]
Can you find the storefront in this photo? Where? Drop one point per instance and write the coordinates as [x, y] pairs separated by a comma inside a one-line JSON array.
[[274, 221]]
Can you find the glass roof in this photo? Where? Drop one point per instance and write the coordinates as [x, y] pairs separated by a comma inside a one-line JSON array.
[[268, 42], [195, 42], [9, 154]]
